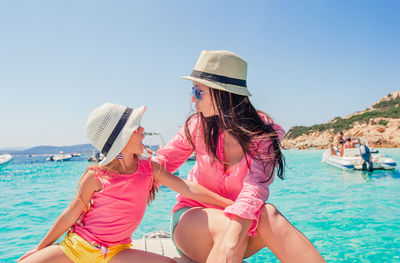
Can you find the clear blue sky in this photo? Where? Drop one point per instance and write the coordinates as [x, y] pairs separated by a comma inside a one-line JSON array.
[[309, 61]]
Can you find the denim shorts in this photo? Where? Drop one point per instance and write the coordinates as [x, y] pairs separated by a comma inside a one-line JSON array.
[[176, 216]]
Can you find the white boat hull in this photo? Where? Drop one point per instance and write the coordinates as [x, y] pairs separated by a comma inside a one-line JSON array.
[[352, 160], [60, 157], [5, 159]]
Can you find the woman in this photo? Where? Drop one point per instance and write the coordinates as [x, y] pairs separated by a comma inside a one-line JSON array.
[[237, 150]]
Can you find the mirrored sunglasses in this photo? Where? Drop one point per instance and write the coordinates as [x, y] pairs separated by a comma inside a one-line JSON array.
[[198, 93]]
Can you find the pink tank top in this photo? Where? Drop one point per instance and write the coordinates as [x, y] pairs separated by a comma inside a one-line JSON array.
[[118, 208]]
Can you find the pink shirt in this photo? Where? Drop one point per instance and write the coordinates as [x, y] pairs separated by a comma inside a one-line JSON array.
[[248, 187], [118, 208]]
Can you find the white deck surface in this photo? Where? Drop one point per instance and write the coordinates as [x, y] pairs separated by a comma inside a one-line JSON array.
[[159, 242]]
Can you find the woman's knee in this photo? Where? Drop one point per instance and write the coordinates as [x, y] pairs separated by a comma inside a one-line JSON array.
[[202, 222], [273, 220], [168, 260], [197, 231], [191, 222]]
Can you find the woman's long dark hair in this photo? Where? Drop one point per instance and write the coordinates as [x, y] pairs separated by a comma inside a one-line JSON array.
[[238, 116]]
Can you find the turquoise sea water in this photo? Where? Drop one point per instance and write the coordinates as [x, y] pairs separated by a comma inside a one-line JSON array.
[[349, 216]]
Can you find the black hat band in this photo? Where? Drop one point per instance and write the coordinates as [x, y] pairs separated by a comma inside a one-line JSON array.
[[114, 134], [218, 78]]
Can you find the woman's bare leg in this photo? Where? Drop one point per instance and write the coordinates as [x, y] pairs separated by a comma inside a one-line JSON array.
[[51, 253], [282, 238], [199, 228], [139, 256]]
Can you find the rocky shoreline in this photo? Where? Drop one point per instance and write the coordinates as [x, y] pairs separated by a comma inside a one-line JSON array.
[[380, 132], [378, 135]]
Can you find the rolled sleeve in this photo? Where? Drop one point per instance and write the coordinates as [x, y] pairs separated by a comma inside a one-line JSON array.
[[255, 189], [253, 195]]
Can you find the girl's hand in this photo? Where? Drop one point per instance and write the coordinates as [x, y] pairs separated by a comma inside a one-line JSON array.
[[28, 254]]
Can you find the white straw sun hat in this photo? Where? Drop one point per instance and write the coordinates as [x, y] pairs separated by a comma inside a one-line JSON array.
[[110, 126], [221, 69]]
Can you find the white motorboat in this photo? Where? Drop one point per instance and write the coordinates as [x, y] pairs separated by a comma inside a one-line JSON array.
[[96, 157], [5, 159], [352, 159], [60, 157]]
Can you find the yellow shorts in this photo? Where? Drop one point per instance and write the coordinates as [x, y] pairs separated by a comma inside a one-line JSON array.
[[78, 249]]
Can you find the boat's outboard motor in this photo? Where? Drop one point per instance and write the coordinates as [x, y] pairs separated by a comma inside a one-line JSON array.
[[366, 155]]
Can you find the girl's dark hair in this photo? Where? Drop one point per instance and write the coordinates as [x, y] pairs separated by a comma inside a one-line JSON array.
[[238, 116]]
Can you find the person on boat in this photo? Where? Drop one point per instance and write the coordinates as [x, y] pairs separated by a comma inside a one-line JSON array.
[[356, 141], [366, 156], [331, 145], [112, 197], [348, 143], [237, 149], [340, 143]]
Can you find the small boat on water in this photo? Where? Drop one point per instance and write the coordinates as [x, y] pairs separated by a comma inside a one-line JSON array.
[[96, 157], [5, 159], [60, 157], [354, 159]]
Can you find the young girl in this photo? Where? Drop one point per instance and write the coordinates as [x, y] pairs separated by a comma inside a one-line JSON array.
[[112, 197]]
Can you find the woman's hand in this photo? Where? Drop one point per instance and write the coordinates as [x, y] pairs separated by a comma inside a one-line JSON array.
[[220, 253], [28, 254], [231, 245]]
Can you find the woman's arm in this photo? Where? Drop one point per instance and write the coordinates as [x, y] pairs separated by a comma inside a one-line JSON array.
[[88, 186], [188, 189], [244, 214]]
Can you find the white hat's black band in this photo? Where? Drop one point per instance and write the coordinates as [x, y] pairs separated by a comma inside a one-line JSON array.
[[114, 134], [218, 78]]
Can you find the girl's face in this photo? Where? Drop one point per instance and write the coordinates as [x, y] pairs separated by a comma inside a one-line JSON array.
[[205, 104], [135, 144]]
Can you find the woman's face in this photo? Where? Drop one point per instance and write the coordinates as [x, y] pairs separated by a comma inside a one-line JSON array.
[[135, 144], [205, 104]]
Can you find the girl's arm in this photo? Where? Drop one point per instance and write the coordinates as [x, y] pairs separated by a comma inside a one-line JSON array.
[[188, 189], [88, 186]]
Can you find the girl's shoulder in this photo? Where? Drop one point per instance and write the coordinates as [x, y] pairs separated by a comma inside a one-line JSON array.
[[99, 171], [145, 165], [91, 178], [94, 168]]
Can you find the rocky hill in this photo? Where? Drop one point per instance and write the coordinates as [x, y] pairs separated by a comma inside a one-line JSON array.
[[380, 124]]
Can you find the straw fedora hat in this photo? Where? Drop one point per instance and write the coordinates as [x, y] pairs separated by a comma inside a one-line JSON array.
[[110, 126], [221, 69]]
